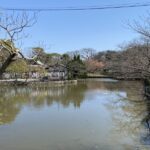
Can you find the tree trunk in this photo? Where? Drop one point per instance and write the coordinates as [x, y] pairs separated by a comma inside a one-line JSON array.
[[6, 64]]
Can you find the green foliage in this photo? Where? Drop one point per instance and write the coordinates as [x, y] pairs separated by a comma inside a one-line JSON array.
[[53, 54], [37, 69], [46, 58], [4, 54], [76, 68], [18, 66], [65, 59]]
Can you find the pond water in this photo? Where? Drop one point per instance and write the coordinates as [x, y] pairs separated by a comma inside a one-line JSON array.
[[99, 114]]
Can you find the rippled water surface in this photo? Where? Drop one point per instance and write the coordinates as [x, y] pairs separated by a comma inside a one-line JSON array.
[[93, 115]]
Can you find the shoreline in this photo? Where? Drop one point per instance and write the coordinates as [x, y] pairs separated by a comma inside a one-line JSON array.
[[37, 82], [34, 82]]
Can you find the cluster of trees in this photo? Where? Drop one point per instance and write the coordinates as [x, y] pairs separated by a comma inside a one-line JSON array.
[[88, 56], [132, 61], [75, 66], [12, 60]]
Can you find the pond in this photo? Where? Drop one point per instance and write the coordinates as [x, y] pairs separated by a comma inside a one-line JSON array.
[[96, 114]]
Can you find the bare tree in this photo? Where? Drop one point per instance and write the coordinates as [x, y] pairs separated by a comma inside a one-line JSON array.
[[71, 54], [87, 53], [133, 62], [142, 26], [93, 65], [15, 23], [13, 26]]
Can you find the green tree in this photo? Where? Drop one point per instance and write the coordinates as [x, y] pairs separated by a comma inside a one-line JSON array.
[[18, 66], [76, 68]]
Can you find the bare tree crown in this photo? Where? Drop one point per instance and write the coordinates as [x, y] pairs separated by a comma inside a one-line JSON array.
[[14, 24]]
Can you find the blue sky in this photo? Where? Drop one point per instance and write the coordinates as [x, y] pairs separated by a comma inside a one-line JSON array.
[[71, 30]]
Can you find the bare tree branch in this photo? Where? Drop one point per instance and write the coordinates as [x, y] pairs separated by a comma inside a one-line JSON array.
[[15, 23]]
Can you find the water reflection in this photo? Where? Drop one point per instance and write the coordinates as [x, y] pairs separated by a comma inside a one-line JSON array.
[[145, 138], [13, 98], [108, 113]]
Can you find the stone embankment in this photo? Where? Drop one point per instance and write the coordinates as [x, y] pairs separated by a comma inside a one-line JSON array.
[[34, 82]]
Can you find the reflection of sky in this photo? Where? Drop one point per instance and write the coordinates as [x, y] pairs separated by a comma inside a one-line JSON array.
[[124, 115], [103, 80], [104, 95]]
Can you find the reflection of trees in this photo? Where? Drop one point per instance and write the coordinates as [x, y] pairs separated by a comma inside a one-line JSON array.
[[127, 86], [9, 106], [128, 115], [8, 111], [65, 95], [128, 110], [145, 139], [12, 99]]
